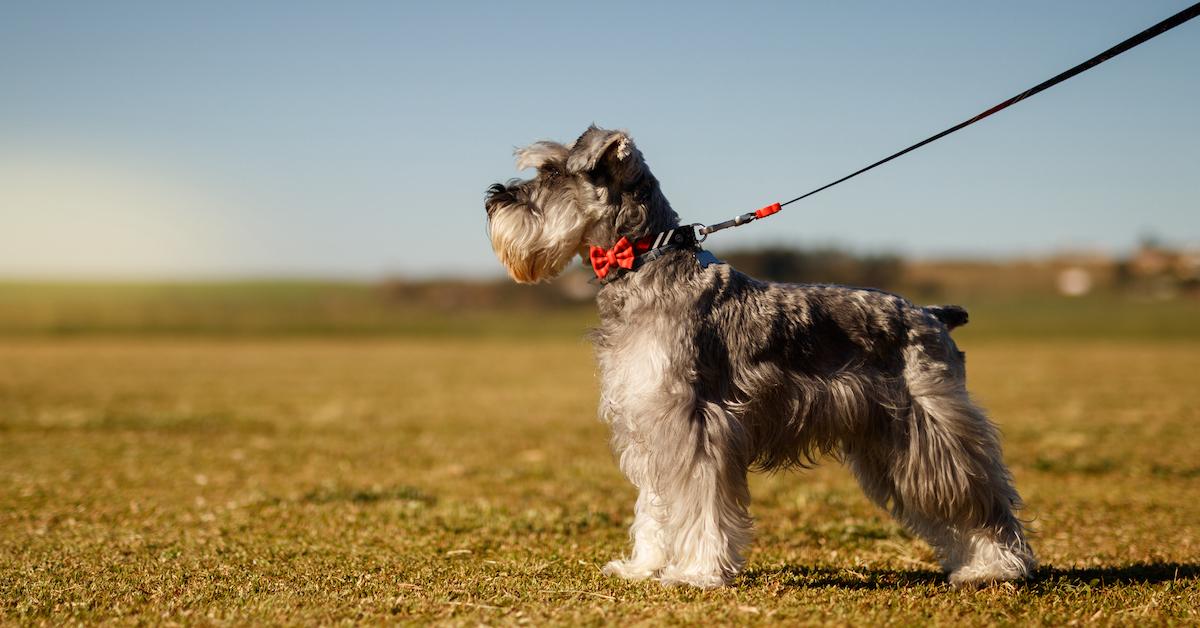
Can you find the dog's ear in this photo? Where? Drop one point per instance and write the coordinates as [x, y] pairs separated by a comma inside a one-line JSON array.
[[597, 146], [542, 155]]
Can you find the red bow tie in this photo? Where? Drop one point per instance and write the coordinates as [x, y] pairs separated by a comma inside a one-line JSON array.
[[620, 255]]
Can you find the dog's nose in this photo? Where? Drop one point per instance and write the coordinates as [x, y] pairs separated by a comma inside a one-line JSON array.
[[494, 192]]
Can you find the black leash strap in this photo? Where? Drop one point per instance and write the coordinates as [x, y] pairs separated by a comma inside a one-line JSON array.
[[1140, 38]]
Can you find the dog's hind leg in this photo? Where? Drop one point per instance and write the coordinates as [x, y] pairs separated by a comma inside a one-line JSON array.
[[872, 468], [950, 482]]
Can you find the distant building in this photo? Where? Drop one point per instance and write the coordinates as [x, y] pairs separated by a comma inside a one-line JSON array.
[[1162, 272]]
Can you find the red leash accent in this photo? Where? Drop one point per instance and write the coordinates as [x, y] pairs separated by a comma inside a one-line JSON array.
[[768, 210]]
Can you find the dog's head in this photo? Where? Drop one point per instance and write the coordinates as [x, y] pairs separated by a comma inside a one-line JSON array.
[[591, 192]]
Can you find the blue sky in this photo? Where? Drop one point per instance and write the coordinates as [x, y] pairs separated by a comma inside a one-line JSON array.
[[357, 139]]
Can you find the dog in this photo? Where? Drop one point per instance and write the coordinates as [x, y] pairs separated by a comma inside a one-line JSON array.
[[707, 374]]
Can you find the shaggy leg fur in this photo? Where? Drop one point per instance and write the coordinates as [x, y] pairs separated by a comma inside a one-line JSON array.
[[649, 554], [691, 522], [942, 476], [707, 524]]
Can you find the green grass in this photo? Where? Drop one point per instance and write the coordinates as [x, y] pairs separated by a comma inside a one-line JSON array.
[[1095, 318], [268, 308], [466, 480], [349, 309]]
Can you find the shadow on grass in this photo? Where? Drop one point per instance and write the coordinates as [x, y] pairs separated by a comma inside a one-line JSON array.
[[1136, 573], [1043, 579], [828, 577]]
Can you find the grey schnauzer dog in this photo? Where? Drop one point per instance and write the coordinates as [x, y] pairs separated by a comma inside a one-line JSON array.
[[707, 373]]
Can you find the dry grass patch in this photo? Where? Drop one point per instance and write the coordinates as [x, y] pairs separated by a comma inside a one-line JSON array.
[[468, 481]]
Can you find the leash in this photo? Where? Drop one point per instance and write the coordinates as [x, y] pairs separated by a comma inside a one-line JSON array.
[[1140, 38]]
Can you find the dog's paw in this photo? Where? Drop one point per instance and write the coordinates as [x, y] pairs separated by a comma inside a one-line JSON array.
[[675, 576], [993, 563], [628, 570]]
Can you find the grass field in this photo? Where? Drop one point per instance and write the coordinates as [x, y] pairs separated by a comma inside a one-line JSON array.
[[464, 478]]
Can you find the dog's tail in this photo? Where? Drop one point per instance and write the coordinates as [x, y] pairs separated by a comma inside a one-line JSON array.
[[952, 316]]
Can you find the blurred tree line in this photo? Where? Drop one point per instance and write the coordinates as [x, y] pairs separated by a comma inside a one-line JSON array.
[[820, 265], [1150, 271]]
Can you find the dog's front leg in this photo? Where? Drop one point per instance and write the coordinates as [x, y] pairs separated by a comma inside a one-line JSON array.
[[691, 521], [701, 478], [648, 555]]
